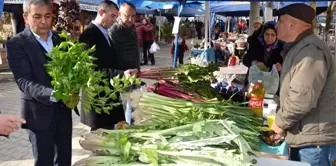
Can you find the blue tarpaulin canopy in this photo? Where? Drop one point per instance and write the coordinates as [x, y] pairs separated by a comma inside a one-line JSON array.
[[242, 0], [228, 8], [243, 8], [1, 7], [187, 12]]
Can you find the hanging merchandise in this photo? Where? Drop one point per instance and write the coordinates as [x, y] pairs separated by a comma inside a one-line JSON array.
[[68, 18]]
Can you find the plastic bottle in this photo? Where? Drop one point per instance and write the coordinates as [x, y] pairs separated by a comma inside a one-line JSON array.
[[256, 98], [250, 88]]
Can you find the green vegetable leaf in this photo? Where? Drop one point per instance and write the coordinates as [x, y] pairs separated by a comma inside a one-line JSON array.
[[72, 69]]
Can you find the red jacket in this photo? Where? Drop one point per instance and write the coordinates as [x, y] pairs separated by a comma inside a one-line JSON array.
[[140, 33], [149, 35], [184, 48], [241, 25]]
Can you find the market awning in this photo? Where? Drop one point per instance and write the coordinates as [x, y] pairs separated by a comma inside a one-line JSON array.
[[88, 5], [1, 8], [243, 8], [246, 0]]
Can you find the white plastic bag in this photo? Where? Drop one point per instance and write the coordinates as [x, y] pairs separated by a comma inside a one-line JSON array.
[[270, 79], [130, 100], [154, 48]]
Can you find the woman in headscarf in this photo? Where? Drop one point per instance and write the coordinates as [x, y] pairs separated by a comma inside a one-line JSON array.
[[266, 51]]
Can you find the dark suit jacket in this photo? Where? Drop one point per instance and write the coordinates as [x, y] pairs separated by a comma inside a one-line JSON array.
[[106, 59], [27, 59]]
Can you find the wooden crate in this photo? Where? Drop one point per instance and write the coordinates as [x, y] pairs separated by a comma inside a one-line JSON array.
[[4, 63]]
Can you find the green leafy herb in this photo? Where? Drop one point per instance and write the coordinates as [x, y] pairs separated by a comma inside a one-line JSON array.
[[262, 67], [72, 69]]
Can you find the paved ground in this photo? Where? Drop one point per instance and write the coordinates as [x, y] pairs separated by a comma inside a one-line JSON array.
[[16, 151]]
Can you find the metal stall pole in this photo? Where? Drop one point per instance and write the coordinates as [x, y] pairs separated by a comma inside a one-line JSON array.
[[180, 8]]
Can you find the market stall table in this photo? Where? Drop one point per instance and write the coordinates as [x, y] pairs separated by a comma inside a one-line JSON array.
[[265, 161], [238, 69]]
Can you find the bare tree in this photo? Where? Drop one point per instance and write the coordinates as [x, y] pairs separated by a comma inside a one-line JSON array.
[[329, 19], [313, 5]]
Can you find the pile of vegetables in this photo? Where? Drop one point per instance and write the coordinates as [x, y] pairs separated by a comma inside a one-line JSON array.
[[164, 112], [208, 143], [184, 73], [230, 92], [184, 122], [190, 78], [191, 81], [73, 69], [168, 89]]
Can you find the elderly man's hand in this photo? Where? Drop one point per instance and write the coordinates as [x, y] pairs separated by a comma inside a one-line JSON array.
[[280, 132], [8, 124], [130, 72], [278, 66]]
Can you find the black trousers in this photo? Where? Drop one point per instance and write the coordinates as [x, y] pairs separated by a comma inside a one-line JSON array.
[[146, 54], [53, 146], [179, 57], [199, 34]]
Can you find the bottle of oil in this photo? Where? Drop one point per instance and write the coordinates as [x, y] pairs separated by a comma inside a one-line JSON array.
[[250, 88], [256, 98]]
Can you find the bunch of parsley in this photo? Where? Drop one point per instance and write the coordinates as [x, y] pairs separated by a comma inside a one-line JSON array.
[[72, 69]]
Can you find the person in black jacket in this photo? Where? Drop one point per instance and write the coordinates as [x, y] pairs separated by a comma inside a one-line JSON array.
[[125, 39], [266, 51], [96, 33], [258, 27]]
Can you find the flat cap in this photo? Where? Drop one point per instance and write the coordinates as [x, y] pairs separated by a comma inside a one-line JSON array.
[[299, 11]]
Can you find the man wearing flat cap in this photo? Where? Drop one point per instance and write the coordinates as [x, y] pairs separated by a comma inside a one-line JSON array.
[[307, 113]]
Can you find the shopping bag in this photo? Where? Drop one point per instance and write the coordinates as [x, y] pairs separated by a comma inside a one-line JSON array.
[[154, 48], [270, 79], [208, 55], [129, 107]]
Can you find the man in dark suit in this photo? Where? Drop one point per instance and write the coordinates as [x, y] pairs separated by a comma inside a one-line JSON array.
[[96, 33], [49, 122]]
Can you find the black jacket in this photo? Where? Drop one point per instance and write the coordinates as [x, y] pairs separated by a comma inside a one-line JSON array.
[[27, 59], [256, 52], [106, 59], [253, 39], [125, 41]]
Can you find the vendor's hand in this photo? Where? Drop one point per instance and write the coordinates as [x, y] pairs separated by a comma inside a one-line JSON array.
[[278, 66], [73, 101], [130, 72], [8, 123], [280, 132]]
